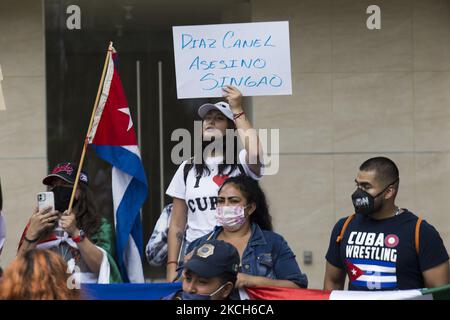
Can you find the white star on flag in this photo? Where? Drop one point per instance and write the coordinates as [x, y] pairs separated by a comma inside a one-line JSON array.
[[127, 112], [353, 271]]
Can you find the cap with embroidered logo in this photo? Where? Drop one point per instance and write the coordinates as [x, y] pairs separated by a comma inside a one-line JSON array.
[[66, 171], [213, 258]]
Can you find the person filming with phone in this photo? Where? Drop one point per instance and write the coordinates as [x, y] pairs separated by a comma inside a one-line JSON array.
[[82, 237]]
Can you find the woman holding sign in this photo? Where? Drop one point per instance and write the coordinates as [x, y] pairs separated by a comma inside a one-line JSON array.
[[195, 185]]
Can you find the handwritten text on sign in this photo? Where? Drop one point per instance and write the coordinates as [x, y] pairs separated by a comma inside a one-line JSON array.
[[254, 57]]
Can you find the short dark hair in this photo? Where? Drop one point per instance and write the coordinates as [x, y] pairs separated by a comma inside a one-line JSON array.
[[386, 170]]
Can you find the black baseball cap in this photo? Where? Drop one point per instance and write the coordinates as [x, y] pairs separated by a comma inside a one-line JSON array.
[[213, 258], [66, 171]]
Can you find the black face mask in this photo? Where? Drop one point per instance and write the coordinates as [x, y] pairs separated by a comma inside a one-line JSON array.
[[62, 197], [364, 202]]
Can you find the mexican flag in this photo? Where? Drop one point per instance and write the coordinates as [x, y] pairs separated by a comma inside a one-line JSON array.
[[278, 293]]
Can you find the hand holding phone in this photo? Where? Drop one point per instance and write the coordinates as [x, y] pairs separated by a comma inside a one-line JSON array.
[[45, 200]]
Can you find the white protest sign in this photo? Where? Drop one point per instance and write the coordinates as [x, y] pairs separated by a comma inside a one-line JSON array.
[[254, 57]]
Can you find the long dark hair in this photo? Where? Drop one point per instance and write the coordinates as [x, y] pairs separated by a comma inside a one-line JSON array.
[[252, 191], [223, 168], [87, 214]]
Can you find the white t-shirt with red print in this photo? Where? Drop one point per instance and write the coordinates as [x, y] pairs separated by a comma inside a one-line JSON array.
[[200, 194]]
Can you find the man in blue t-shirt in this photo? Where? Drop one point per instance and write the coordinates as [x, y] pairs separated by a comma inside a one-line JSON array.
[[382, 246]]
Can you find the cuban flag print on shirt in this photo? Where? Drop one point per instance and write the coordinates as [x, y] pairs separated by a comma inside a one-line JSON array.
[[114, 140], [372, 274]]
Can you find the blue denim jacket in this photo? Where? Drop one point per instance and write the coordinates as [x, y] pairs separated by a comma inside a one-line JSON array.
[[267, 254]]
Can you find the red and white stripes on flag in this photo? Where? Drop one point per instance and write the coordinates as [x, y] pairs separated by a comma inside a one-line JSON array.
[[280, 293]]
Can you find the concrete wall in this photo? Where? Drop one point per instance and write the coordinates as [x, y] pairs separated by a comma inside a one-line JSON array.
[[23, 158], [358, 93]]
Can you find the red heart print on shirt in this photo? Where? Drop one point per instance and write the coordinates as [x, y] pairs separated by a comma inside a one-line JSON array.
[[219, 180]]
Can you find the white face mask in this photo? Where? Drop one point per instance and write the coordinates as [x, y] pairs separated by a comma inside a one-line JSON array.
[[196, 296], [231, 217], [220, 288]]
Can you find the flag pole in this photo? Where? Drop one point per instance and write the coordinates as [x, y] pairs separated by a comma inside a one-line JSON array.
[[94, 109]]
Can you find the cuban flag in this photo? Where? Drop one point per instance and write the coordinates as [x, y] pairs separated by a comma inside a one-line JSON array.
[[114, 140], [372, 274]]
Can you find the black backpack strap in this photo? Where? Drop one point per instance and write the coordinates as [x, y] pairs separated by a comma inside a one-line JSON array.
[[189, 165]]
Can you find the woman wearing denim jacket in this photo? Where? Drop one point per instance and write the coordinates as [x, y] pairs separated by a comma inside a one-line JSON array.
[[245, 222]]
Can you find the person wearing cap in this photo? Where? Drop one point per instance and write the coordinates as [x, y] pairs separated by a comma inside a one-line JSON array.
[[82, 237], [195, 184], [210, 273], [2, 222], [244, 221]]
